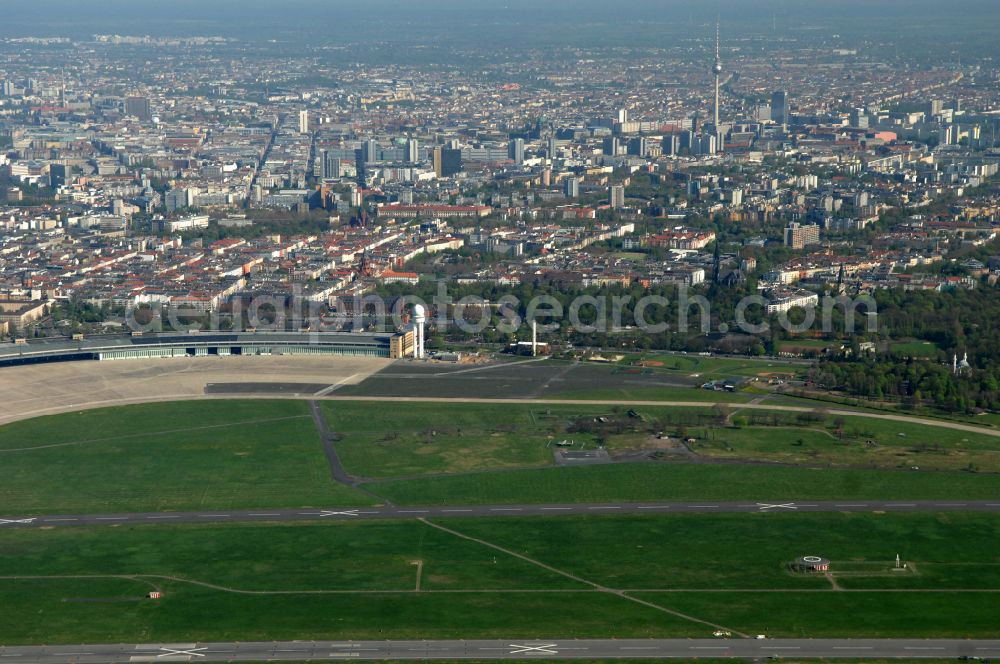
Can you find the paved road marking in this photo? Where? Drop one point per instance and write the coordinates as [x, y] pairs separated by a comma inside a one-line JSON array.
[[768, 506], [60, 519], [162, 517], [264, 514], [454, 510], [112, 518], [654, 507], [851, 505], [173, 652], [552, 509], [921, 648], [412, 512], [343, 513], [545, 649], [215, 516], [608, 507], [852, 647], [506, 509]]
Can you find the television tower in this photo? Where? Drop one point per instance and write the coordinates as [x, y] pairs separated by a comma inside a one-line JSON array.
[[717, 70]]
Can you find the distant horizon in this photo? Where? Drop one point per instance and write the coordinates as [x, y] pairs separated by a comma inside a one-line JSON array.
[[558, 21]]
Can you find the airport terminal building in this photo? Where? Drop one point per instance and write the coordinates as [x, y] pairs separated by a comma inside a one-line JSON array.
[[205, 344]]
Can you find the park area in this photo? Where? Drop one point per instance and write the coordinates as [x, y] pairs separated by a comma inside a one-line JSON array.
[[229, 454], [641, 576]]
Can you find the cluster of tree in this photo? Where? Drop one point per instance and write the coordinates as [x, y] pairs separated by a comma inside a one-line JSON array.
[[955, 323], [914, 382]]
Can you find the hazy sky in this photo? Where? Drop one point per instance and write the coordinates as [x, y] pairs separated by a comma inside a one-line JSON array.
[[404, 20]]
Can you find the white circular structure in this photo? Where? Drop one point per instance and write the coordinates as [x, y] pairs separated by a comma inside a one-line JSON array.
[[419, 318]]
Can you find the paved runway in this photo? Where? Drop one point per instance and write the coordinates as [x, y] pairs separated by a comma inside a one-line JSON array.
[[404, 512], [514, 649]]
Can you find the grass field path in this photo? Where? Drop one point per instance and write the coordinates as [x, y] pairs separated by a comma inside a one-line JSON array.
[[570, 575]]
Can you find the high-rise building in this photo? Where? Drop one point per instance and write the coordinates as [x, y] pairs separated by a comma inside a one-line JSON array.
[[707, 144], [552, 149], [58, 175], [611, 146], [369, 150], [798, 236], [638, 146], [779, 107], [934, 107], [447, 161], [361, 173], [515, 150], [687, 140], [412, 151], [303, 122], [671, 144], [177, 199], [331, 166], [7, 88], [138, 107], [571, 187], [616, 196]]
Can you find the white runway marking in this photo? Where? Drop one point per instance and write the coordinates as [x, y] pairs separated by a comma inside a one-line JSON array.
[[343, 513], [543, 649], [767, 506], [192, 652], [3, 521]]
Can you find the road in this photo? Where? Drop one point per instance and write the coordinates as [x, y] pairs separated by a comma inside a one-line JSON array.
[[404, 512], [514, 649]]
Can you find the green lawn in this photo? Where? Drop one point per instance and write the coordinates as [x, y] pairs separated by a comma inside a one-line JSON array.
[[751, 551], [862, 442], [718, 367], [833, 614], [187, 614], [653, 481], [422, 438], [429, 439], [229, 454], [358, 581], [656, 394], [917, 349], [168, 456], [337, 556]]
